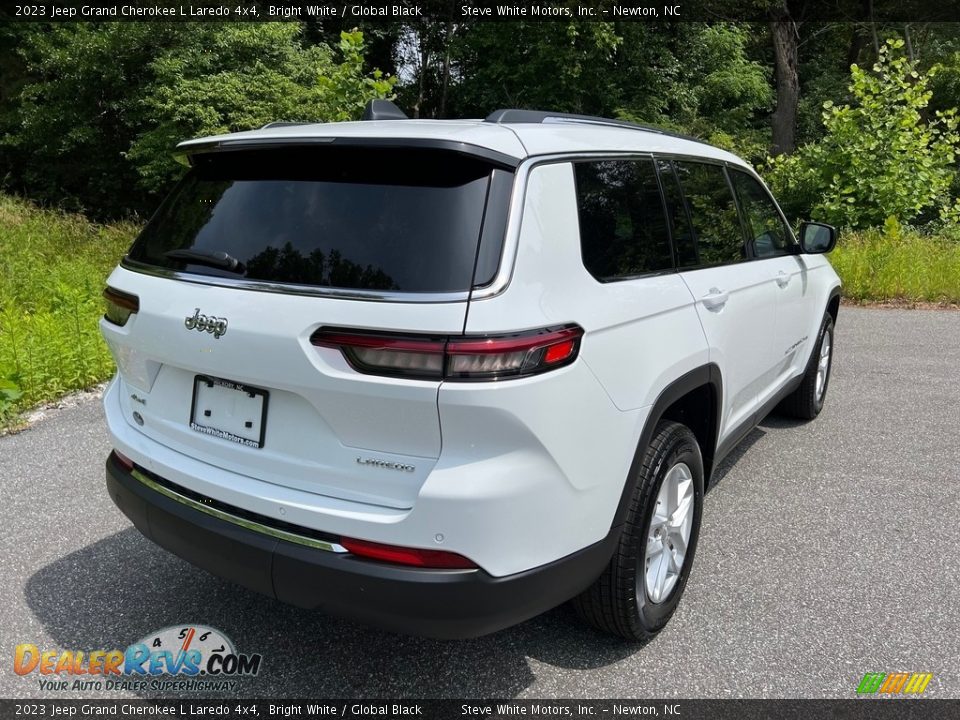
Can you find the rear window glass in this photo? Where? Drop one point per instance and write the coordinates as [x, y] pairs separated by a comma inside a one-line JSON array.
[[402, 220]]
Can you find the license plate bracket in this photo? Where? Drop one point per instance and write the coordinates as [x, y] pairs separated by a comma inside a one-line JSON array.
[[229, 410]]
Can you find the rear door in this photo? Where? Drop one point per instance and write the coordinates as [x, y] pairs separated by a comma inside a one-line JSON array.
[[251, 255], [734, 297]]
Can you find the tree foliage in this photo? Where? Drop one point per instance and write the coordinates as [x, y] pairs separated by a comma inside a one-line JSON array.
[[241, 77], [107, 104], [90, 112], [880, 156]]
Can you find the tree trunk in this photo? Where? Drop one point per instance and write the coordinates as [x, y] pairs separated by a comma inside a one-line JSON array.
[[783, 31], [857, 43], [448, 42], [906, 37], [424, 52]]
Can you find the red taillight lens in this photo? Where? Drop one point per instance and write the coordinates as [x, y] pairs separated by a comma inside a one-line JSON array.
[[120, 306], [437, 559], [458, 358], [512, 356]]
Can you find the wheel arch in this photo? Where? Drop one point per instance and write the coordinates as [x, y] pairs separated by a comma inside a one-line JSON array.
[[694, 399], [833, 303]]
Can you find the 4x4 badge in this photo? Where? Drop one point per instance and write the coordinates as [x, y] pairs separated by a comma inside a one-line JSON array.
[[215, 325]]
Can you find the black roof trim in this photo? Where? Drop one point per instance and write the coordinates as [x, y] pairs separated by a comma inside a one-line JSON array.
[[498, 159], [513, 115]]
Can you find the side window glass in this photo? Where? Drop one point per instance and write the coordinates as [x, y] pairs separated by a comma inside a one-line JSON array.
[[623, 231], [713, 213], [767, 233], [684, 240]]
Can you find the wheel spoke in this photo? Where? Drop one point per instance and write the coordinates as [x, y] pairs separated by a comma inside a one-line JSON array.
[[654, 546], [680, 545], [679, 515], [669, 493], [661, 578]]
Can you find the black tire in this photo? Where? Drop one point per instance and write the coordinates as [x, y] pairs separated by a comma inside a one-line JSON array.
[[805, 402], [618, 601]]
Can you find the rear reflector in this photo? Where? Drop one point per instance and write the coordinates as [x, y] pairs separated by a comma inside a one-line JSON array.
[[437, 559], [120, 306], [124, 461], [455, 358]]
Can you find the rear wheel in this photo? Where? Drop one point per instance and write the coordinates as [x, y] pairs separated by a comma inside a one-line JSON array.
[[806, 401], [641, 587]]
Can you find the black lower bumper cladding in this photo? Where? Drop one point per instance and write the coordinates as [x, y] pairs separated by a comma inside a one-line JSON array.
[[432, 603]]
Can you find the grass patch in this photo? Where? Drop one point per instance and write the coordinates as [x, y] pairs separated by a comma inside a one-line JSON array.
[[53, 267], [897, 264]]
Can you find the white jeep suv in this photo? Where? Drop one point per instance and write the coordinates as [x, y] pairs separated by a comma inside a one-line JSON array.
[[442, 376]]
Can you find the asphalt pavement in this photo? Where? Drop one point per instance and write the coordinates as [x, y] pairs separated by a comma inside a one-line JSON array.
[[828, 550]]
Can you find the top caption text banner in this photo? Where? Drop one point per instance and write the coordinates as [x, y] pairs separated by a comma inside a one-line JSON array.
[[888, 11]]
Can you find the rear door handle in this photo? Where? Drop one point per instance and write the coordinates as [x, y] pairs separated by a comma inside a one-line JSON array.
[[715, 299], [783, 279]]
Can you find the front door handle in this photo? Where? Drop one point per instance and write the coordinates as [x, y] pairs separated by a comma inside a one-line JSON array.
[[715, 299], [783, 279]]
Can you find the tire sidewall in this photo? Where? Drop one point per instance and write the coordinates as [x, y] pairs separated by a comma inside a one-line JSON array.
[[654, 616]]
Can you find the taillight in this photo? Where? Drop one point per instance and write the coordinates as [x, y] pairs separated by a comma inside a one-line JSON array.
[[455, 358], [120, 306], [383, 354], [438, 559]]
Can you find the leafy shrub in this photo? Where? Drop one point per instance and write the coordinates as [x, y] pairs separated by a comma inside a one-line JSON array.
[[880, 157], [53, 268], [9, 394]]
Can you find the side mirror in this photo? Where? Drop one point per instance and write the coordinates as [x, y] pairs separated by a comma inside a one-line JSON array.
[[817, 238]]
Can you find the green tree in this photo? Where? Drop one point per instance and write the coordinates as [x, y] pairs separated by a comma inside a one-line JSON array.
[[879, 157], [73, 121], [97, 126], [241, 77]]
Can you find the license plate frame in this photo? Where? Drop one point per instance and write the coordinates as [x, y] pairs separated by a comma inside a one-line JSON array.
[[212, 394]]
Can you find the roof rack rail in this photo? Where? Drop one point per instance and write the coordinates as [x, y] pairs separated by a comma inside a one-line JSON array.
[[283, 123], [513, 115]]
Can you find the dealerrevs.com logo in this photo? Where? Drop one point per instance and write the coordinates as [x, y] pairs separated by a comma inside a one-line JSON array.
[[894, 683], [179, 657]]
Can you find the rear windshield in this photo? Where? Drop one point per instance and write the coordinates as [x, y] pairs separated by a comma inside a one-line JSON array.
[[403, 220]]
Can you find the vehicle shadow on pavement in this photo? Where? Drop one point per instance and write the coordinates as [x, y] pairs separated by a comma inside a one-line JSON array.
[[726, 465], [114, 592]]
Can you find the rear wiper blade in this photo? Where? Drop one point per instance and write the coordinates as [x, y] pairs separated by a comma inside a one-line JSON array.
[[218, 259]]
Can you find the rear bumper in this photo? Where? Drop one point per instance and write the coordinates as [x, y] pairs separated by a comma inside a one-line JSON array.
[[432, 603]]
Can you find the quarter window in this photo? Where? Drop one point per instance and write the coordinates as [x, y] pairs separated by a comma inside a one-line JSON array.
[[713, 213], [766, 232], [623, 230]]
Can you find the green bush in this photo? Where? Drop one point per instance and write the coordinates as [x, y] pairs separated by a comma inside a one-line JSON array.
[[879, 158], [53, 268]]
